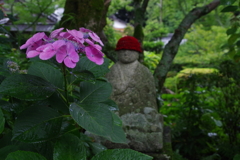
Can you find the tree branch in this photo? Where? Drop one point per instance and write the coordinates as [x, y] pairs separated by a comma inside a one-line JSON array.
[[171, 48]]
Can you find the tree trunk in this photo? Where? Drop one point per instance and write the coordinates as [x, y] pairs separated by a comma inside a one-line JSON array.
[[139, 19], [171, 48], [90, 14]]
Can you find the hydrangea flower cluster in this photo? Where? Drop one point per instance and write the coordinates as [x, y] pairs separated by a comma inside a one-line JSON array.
[[65, 46]]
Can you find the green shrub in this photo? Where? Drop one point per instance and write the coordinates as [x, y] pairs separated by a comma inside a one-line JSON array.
[[153, 46], [151, 60]]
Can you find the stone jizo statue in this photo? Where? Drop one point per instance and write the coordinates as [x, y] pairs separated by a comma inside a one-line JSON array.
[[135, 93]]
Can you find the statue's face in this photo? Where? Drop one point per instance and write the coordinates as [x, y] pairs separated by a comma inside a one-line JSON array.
[[127, 56]]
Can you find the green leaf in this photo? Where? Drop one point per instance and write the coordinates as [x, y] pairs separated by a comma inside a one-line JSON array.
[[57, 102], [98, 119], [2, 121], [1, 14], [229, 9], [232, 39], [232, 52], [5, 40], [236, 157], [112, 106], [231, 30], [37, 124], [117, 132], [25, 155], [97, 148], [69, 147], [218, 123], [47, 72], [44, 148], [94, 92], [238, 43], [78, 77], [6, 150], [26, 87], [121, 154], [97, 70], [227, 2]]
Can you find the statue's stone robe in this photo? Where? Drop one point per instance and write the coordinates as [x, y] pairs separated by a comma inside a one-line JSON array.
[[135, 93]]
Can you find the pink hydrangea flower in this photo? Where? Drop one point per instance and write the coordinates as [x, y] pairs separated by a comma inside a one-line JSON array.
[[76, 36], [93, 52], [68, 55], [34, 42], [55, 33], [50, 50], [82, 29], [65, 46], [95, 37]]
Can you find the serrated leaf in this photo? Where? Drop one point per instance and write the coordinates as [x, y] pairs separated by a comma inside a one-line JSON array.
[[97, 119], [47, 72], [26, 87], [2, 121], [24, 155], [121, 154], [69, 147], [97, 70], [229, 9], [37, 124], [99, 91]]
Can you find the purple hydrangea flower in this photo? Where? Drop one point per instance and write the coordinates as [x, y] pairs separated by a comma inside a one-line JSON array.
[[55, 33], [93, 52], [68, 55], [34, 42], [66, 46]]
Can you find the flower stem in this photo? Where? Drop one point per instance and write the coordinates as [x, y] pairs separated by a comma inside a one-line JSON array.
[[65, 83]]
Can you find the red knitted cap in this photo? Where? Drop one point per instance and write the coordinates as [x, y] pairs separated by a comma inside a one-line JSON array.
[[129, 43]]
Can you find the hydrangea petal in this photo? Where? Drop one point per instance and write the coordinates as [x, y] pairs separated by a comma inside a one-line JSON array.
[[55, 33], [47, 53], [74, 57], [35, 38], [82, 29], [33, 53], [94, 55], [61, 54], [77, 35], [34, 46], [72, 53], [95, 37], [69, 63], [59, 43]]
